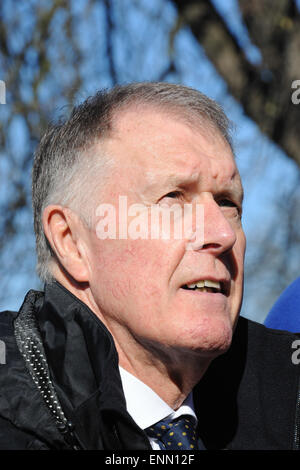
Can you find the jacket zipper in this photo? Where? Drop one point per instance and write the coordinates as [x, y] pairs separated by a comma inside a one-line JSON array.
[[68, 431], [31, 347]]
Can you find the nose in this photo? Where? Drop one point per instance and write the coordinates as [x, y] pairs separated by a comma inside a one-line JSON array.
[[218, 235]]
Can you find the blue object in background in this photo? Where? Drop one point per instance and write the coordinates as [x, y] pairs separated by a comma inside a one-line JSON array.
[[285, 313]]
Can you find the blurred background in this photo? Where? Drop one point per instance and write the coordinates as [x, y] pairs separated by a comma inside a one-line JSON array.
[[243, 53]]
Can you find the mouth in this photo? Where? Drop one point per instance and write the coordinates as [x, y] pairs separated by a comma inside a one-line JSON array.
[[207, 285]]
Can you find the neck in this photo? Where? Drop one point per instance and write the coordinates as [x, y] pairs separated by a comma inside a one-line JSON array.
[[171, 375]]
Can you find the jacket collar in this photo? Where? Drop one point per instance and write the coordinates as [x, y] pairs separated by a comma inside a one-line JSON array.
[[83, 362]]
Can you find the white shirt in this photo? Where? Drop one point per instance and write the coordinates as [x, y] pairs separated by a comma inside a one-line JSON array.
[[146, 407]]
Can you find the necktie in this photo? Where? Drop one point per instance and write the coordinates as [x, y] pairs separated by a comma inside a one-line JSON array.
[[178, 434]]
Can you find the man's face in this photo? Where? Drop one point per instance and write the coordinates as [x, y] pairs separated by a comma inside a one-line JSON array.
[[140, 286]]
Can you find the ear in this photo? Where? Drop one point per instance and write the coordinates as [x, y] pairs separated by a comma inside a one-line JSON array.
[[62, 228]]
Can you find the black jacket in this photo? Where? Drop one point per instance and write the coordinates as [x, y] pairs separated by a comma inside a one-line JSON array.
[[60, 386]]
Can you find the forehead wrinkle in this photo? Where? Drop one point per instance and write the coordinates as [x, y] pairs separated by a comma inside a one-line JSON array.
[[172, 179]]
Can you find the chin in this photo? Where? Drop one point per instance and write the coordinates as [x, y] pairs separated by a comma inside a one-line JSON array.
[[210, 339]]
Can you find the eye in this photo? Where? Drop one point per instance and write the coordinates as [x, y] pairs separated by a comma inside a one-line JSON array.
[[174, 194], [169, 198], [232, 206], [227, 203]]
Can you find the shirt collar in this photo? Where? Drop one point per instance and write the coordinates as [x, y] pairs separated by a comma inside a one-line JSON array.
[[145, 406]]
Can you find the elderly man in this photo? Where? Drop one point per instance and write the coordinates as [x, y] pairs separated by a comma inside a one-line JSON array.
[[135, 342]]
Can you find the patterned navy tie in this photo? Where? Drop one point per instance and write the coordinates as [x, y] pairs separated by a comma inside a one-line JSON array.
[[176, 434]]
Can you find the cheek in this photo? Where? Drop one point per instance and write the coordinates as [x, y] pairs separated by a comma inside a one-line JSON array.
[[242, 244], [127, 269], [240, 254], [235, 263]]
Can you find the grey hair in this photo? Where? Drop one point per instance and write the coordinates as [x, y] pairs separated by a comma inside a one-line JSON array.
[[66, 160]]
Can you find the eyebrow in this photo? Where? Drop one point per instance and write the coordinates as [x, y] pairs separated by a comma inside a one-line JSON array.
[[174, 180], [236, 191]]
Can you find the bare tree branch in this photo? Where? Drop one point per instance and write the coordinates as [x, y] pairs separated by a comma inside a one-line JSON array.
[[109, 42], [263, 90]]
